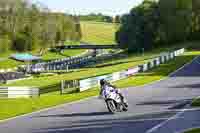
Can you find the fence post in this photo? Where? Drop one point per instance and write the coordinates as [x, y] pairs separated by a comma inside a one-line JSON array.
[[67, 68], [62, 87]]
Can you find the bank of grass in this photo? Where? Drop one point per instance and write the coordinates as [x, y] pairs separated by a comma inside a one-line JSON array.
[[193, 131], [98, 33], [14, 107], [196, 102]]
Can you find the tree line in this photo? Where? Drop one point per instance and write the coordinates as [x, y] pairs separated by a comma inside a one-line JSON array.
[[25, 26], [100, 18], [160, 23]]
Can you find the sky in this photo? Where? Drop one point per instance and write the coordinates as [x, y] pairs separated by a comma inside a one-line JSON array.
[[108, 7]]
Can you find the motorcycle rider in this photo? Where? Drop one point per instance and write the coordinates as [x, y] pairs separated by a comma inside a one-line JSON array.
[[106, 85]]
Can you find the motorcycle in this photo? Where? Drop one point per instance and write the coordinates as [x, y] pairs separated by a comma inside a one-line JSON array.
[[114, 101]]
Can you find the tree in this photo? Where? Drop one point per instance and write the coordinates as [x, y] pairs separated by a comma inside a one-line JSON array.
[[138, 28], [175, 18], [117, 19], [154, 24], [195, 24], [29, 26]]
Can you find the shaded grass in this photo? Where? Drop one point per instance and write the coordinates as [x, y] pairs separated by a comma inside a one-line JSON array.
[[196, 102], [194, 131], [13, 107]]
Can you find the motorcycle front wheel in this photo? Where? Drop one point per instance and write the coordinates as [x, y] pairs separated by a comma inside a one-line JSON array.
[[111, 106]]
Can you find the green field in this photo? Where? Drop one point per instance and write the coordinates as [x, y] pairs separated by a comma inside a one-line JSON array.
[[13, 107], [10, 63], [93, 32], [98, 33], [101, 69]]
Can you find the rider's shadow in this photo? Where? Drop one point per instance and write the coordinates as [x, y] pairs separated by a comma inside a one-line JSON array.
[[78, 114]]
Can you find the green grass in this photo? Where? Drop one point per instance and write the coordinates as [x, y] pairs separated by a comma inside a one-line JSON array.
[[194, 131], [158, 73], [98, 33], [105, 68], [101, 69], [93, 32], [13, 107], [196, 102], [67, 53], [10, 63]]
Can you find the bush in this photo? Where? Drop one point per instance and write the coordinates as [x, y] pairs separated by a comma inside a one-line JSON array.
[[5, 44], [21, 42]]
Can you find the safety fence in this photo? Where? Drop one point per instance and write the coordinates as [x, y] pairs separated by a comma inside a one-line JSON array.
[[18, 92], [69, 86], [67, 63], [88, 83], [85, 84], [7, 77], [61, 64]]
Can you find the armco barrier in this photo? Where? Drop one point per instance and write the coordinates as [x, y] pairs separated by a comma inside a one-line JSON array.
[[18, 92], [162, 59], [172, 55], [180, 51], [143, 67], [156, 62], [175, 53], [92, 82], [150, 64], [167, 57], [132, 71]]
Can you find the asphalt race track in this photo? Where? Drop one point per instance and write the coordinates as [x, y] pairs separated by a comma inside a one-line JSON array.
[[155, 108]]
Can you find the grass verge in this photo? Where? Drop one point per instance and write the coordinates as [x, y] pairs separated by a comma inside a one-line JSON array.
[[194, 131], [14, 107], [196, 102]]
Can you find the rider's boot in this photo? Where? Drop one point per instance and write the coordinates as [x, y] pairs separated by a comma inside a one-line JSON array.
[[123, 100]]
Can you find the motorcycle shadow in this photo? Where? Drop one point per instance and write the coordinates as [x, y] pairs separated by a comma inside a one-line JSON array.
[[79, 114]]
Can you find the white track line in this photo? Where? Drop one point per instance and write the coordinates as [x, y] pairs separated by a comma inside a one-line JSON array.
[[165, 122], [178, 114]]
